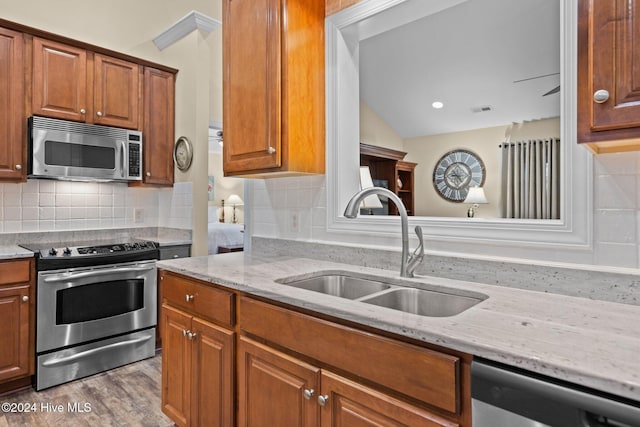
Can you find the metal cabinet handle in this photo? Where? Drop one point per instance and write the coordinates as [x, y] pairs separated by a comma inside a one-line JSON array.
[[176, 256], [271, 150], [25, 298], [83, 111], [188, 298], [308, 393], [18, 167], [184, 332], [323, 399], [148, 173], [601, 96], [191, 335], [99, 113]]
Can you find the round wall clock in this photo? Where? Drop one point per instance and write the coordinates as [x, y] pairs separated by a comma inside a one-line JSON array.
[[455, 172], [183, 153]]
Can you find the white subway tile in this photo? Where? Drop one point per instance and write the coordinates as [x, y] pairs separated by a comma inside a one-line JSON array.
[[615, 226], [63, 200], [616, 191], [12, 213], [46, 199], [47, 213], [13, 199], [46, 186], [30, 213], [29, 199]]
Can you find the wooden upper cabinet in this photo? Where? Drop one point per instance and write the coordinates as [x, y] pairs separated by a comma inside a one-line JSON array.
[[72, 83], [609, 75], [335, 6], [12, 149], [116, 92], [158, 127], [59, 80], [273, 74]]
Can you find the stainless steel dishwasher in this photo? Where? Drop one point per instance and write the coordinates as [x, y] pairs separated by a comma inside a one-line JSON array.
[[507, 397]]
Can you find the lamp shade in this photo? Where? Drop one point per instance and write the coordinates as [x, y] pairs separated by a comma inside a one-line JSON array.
[[476, 196], [372, 201], [235, 200]]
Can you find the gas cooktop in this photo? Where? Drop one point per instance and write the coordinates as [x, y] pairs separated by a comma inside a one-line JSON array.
[[80, 254]]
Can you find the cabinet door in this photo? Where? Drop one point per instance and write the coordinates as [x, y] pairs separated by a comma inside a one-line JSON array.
[[116, 92], [252, 84], [176, 365], [14, 338], [158, 127], [608, 60], [212, 370], [12, 148], [271, 388], [351, 404], [59, 80]]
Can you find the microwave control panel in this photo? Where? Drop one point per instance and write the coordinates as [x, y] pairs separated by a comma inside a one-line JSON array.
[[135, 159]]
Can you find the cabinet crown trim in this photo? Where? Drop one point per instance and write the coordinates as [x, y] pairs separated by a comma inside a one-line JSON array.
[[192, 21]]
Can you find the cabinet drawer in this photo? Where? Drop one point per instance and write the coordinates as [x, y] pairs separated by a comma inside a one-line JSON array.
[[15, 271], [177, 251], [423, 374], [202, 300]]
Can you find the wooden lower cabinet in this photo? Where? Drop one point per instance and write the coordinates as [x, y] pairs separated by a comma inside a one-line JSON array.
[[275, 389], [230, 359], [197, 370], [351, 404], [16, 312], [272, 387]]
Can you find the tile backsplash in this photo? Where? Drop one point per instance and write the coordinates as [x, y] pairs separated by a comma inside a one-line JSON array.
[[616, 214], [47, 205]]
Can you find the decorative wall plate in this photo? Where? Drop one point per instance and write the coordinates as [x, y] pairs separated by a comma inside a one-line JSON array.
[[183, 153]]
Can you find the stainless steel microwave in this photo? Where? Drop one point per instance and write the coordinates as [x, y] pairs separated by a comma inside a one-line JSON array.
[[60, 149]]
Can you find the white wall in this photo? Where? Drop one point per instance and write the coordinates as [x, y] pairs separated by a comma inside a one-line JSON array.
[[223, 188], [616, 228], [375, 131], [427, 150]]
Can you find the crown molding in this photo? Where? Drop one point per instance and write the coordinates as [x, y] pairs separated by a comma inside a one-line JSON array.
[[193, 20]]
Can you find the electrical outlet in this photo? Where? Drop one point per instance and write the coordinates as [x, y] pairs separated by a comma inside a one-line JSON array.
[[138, 215], [295, 222]]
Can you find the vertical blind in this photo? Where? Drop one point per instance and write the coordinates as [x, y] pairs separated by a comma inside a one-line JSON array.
[[531, 179]]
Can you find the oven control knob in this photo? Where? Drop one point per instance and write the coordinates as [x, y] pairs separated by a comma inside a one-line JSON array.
[[67, 251], [53, 252]]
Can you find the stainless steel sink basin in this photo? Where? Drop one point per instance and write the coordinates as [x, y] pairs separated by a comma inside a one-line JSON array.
[[339, 285], [439, 301], [423, 302]]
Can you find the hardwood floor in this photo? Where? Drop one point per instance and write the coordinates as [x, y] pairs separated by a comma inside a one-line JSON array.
[[125, 396]]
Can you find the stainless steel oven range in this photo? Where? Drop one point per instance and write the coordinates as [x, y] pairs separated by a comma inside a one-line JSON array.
[[96, 308]]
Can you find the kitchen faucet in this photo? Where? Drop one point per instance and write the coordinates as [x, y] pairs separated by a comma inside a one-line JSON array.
[[408, 262]]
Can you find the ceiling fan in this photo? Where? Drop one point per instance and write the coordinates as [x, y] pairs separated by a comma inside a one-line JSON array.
[[551, 92]]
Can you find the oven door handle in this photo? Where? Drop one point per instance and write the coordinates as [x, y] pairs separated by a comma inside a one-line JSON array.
[[72, 276], [82, 354]]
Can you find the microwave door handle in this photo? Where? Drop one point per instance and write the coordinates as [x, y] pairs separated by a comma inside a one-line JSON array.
[[66, 277], [122, 149]]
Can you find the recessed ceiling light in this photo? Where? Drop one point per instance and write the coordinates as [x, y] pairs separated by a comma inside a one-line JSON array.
[[437, 105]]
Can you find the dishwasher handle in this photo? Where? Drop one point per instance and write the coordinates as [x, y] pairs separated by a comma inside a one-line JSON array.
[[594, 405]]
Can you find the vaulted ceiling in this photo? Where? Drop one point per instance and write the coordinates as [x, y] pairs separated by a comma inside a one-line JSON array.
[[488, 61]]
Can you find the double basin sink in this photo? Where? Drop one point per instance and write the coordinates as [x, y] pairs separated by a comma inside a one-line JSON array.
[[397, 295]]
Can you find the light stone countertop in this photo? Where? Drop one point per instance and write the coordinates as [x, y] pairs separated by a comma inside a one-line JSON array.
[[14, 251], [591, 343]]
